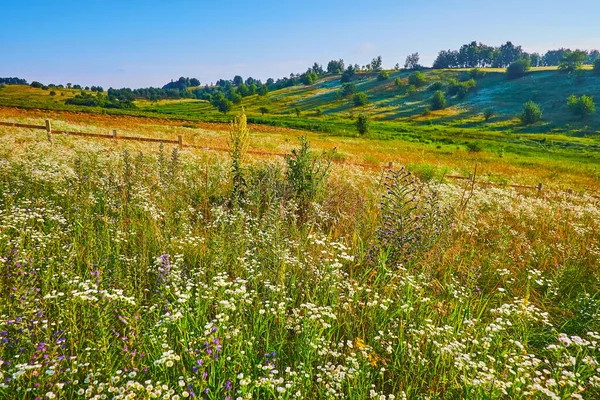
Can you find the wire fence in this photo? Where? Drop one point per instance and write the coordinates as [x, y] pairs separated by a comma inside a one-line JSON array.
[[179, 142]]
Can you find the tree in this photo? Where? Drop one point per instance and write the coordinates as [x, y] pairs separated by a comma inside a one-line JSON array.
[[360, 99], [348, 89], [597, 66], [412, 61], [376, 64], [348, 74], [572, 61], [263, 90], [238, 80], [438, 101], [317, 69], [263, 110], [531, 113], [518, 68], [335, 66], [417, 79], [36, 84], [362, 124], [488, 113], [581, 106]]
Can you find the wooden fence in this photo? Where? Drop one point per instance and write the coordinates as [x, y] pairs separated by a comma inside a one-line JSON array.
[[114, 136]]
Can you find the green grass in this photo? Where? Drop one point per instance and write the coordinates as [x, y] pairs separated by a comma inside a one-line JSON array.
[[130, 270]]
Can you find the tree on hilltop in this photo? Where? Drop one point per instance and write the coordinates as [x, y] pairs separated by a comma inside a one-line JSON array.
[[412, 61]]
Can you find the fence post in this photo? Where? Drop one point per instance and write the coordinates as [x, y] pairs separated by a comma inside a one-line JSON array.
[[114, 134], [49, 130], [539, 188], [180, 141]]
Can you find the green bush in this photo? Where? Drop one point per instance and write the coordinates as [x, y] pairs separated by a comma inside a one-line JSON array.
[[36, 84], [531, 113], [438, 101], [474, 147], [461, 89], [417, 79], [263, 110], [435, 86], [360, 99], [398, 82], [362, 124], [383, 75], [518, 68], [348, 89], [52, 93], [477, 73], [581, 106], [411, 90]]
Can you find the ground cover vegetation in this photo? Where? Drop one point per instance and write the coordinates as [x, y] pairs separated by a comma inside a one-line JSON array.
[[142, 271]]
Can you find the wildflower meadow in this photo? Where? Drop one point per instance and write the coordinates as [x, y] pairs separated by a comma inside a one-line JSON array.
[[138, 271]]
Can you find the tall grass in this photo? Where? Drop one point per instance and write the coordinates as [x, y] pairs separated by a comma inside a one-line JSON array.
[[130, 274]]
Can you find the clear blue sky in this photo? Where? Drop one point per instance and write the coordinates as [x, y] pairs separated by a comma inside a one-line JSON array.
[[135, 43]]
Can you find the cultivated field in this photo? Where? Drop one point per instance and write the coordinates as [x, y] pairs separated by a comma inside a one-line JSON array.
[[130, 270]]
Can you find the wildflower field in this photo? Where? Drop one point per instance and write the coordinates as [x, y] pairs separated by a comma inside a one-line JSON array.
[[137, 271]]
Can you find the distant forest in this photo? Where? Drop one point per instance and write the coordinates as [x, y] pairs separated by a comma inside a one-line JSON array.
[[224, 93]]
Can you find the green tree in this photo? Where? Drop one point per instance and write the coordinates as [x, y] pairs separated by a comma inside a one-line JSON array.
[[531, 113], [518, 68], [263, 110], [417, 79], [224, 105], [412, 61], [360, 99], [362, 124], [36, 84], [376, 64], [572, 61], [347, 89], [581, 106], [488, 113], [438, 101]]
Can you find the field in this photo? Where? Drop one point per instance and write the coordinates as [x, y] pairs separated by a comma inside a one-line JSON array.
[[133, 271]]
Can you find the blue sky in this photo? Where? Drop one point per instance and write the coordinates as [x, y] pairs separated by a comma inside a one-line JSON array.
[[134, 43]]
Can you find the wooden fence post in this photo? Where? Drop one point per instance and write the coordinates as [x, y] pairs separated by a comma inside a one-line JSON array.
[[180, 141], [114, 134], [539, 188], [49, 130]]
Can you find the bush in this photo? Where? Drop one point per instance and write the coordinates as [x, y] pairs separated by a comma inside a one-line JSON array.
[[52, 93], [474, 147], [435, 86], [417, 79], [488, 113], [360, 99], [36, 84], [531, 113], [411, 90], [362, 124], [263, 110], [581, 106], [438, 101], [461, 89], [518, 68], [477, 73], [383, 75], [596, 68], [298, 111], [398, 82], [348, 89]]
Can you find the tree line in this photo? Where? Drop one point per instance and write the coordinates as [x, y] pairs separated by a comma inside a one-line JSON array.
[[479, 55]]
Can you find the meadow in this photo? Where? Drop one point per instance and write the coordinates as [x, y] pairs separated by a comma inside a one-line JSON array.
[[134, 271]]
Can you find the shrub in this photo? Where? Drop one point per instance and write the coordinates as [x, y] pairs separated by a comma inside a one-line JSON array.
[[348, 89], [362, 124], [488, 113], [52, 93], [417, 79], [438, 101], [359, 99], [398, 82], [477, 73], [298, 111], [318, 112], [461, 89], [596, 68], [383, 75], [36, 84], [435, 86], [572, 61], [411, 90], [263, 110], [474, 147], [581, 106], [531, 113], [518, 68], [305, 175]]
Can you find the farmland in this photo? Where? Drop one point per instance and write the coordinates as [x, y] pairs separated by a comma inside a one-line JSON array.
[[133, 270]]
